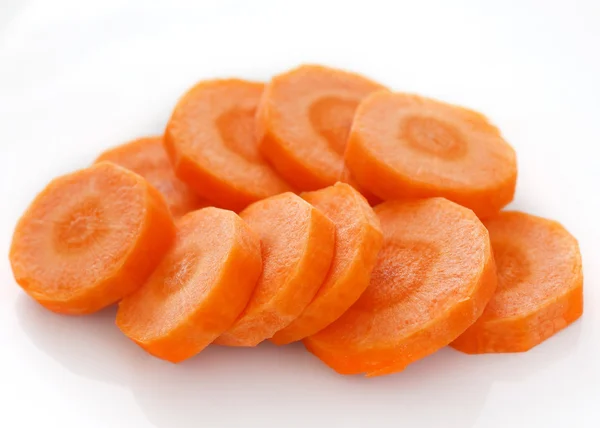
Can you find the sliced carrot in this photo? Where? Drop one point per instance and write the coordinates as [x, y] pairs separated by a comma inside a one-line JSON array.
[[90, 238], [297, 249], [540, 285], [369, 196], [358, 241], [148, 158], [200, 287], [406, 146], [211, 141], [433, 278], [304, 119]]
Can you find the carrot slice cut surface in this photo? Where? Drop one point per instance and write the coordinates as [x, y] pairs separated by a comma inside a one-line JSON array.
[[200, 287], [304, 119], [406, 146], [540, 285], [148, 158], [90, 238], [433, 278], [297, 243], [358, 241], [212, 145]]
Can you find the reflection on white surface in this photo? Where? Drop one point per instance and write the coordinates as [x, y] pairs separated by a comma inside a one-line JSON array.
[[238, 386]]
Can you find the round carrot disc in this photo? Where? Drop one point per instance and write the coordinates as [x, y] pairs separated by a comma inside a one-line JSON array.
[[90, 238], [211, 141], [434, 275], [406, 146], [197, 291], [148, 158], [304, 119], [540, 285], [358, 241], [297, 243]]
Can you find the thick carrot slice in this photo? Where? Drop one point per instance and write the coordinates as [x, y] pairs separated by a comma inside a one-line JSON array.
[[90, 238], [358, 241], [304, 119], [297, 249], [369, 196], [406, 146], [433, 278], [148, 158], [211, 141], [540, 285], [200, 287]]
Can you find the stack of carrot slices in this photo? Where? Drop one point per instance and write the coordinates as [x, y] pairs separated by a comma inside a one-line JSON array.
[[318, 207]]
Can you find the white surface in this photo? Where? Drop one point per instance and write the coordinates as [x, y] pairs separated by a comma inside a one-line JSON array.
[[76, 77]]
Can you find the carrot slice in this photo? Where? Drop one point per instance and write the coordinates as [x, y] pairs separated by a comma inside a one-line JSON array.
[[90, 238], [201, 286], [148, 158], [433, 278], [211, 141], [304, 119], [406, 146], [369, 196], [358, 241], [540, 285], [297, 248]]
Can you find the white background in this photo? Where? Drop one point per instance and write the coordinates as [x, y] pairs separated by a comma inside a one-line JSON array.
[[77, 77]]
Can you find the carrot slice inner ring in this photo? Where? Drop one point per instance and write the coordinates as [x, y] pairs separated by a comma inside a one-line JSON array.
[[512, 265], [236, 127], [181, 272], [331, 117], [403, 268], [80, 226], [433, 136]]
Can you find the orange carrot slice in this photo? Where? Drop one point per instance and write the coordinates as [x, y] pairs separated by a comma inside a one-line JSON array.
[[540, 285], [433, 278], [406, 146], [369, 196], [304, 119], [297, 248], [200, 287], [90, 238], [148, 158], [358, 241], [211, 141]]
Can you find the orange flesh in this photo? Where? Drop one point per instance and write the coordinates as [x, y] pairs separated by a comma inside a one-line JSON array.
[[369, 196], [433, 277], [148, 158], [90, 238], [211, 142], [358, 240], [540, 285], [304, 119], [201, 286], [297, 243], [406, 146]]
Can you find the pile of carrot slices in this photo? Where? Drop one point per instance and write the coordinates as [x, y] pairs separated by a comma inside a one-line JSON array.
[[319, 207]]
